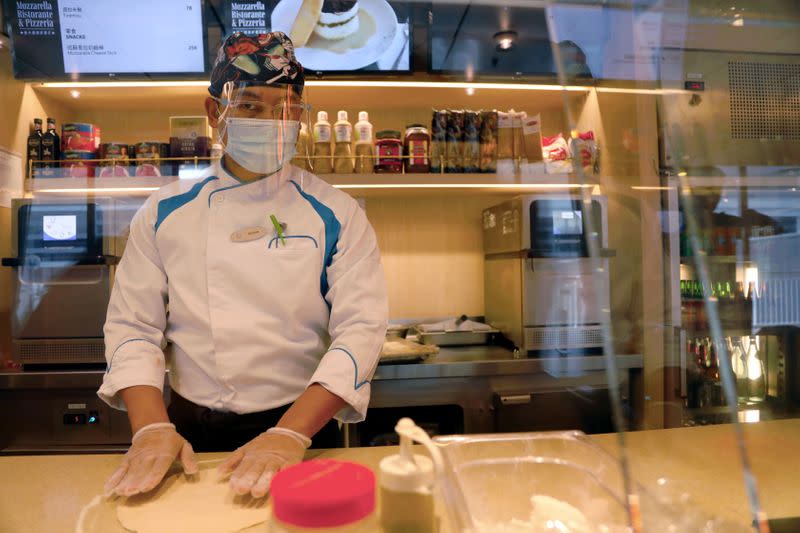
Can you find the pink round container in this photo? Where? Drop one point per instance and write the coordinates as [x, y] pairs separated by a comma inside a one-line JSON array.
[[324, 495]]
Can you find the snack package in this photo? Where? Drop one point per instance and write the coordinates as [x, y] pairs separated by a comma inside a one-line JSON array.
[[555, 152], [472, 142], [532, 138], [584, 152], [438, 140], [488, 140], [516, 135], [455, 141], [505, 135]]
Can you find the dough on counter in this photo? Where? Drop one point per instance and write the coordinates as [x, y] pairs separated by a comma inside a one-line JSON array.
[[192, 505]]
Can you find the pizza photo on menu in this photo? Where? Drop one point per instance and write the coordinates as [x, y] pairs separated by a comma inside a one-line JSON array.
[[341, 35]]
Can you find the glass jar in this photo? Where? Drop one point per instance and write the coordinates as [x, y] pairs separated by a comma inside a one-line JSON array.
[[389, 158], [416, 146], [324, 496]]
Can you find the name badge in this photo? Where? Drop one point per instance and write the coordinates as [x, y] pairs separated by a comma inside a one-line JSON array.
[[248, 234]]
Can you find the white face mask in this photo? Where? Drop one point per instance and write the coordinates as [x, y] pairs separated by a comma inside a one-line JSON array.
[[257, 144]]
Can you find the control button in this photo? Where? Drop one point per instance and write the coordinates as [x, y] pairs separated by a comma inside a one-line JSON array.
[[74, 419], [94, 417]]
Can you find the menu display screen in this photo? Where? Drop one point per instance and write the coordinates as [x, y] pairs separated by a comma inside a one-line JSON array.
[[334, 35], [568, 223], [66, 38], [60, 227]]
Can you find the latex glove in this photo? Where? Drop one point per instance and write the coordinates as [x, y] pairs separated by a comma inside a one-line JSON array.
[[252, 466], [153, 450]]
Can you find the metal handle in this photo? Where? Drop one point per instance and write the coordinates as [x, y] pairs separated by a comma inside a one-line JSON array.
[[515, 399], [60, 283]]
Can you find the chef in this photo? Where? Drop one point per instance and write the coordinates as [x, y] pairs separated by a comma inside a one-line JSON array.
[[260, 287]]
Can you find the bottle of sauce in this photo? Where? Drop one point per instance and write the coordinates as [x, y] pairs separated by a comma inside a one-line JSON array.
[[406, 483], [303, 148], [364, 150], [51, 146], [35, 145], [390, 152], [416, 147], [343, 151], [322, 163]]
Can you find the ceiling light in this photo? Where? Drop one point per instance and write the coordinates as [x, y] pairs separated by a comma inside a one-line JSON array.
[[75, 94], [504, 40]]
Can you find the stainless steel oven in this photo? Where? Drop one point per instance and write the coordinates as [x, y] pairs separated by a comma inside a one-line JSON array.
[[61, 283], [540, 290]]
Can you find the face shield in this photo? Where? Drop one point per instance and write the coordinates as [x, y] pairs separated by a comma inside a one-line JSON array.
[[260, 123]]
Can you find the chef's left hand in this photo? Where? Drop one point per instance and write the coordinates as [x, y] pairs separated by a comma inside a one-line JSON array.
[[252, 466]]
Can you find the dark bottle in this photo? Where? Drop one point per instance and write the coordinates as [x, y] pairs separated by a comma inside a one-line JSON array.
[[35, 144], [51, 145]]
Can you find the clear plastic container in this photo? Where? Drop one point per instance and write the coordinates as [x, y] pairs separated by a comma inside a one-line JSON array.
[[490, 480], [561, 465]]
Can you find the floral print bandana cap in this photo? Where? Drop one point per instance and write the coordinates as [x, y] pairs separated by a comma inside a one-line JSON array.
[[267, 58]]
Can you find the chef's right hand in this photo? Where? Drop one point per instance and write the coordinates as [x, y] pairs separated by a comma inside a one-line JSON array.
[[153, 450]]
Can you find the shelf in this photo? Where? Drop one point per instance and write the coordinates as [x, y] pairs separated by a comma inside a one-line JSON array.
[[785, 181], [726, 332], [720, 259], [356, 184], [141, 185], [189, 97]]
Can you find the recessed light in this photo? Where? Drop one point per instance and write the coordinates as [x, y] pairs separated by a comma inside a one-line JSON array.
[[470, 91], [504, 40], [75, 94]]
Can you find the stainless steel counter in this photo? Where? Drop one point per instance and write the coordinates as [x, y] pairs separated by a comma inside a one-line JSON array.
[[477, 381], [461, 362]]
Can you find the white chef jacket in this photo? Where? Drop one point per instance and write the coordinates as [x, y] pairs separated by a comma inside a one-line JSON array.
[[248, 326]]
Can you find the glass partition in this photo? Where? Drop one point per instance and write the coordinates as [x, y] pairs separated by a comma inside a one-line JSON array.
[[587, 214]]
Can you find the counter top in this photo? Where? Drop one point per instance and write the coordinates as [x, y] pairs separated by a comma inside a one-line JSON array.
[[46, 493], [468, 361]]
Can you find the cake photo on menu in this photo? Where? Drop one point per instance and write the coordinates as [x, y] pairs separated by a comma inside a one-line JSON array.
[[342, 35], [330, 19], [338, 20]]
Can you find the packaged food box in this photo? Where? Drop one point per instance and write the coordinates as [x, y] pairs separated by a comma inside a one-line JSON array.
[[189, 147], [472, 142], [79, 137], [148, 158], [455, 141], [488, 141], [114, 160], [189, 127], [505, 135], [438, 140], [189, 136], [78, 164]]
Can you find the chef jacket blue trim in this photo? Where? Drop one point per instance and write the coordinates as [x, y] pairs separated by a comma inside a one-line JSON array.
[[212, 193], [108, 369], [356, 384], [332, 229], [168, 205], [276, 239]]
